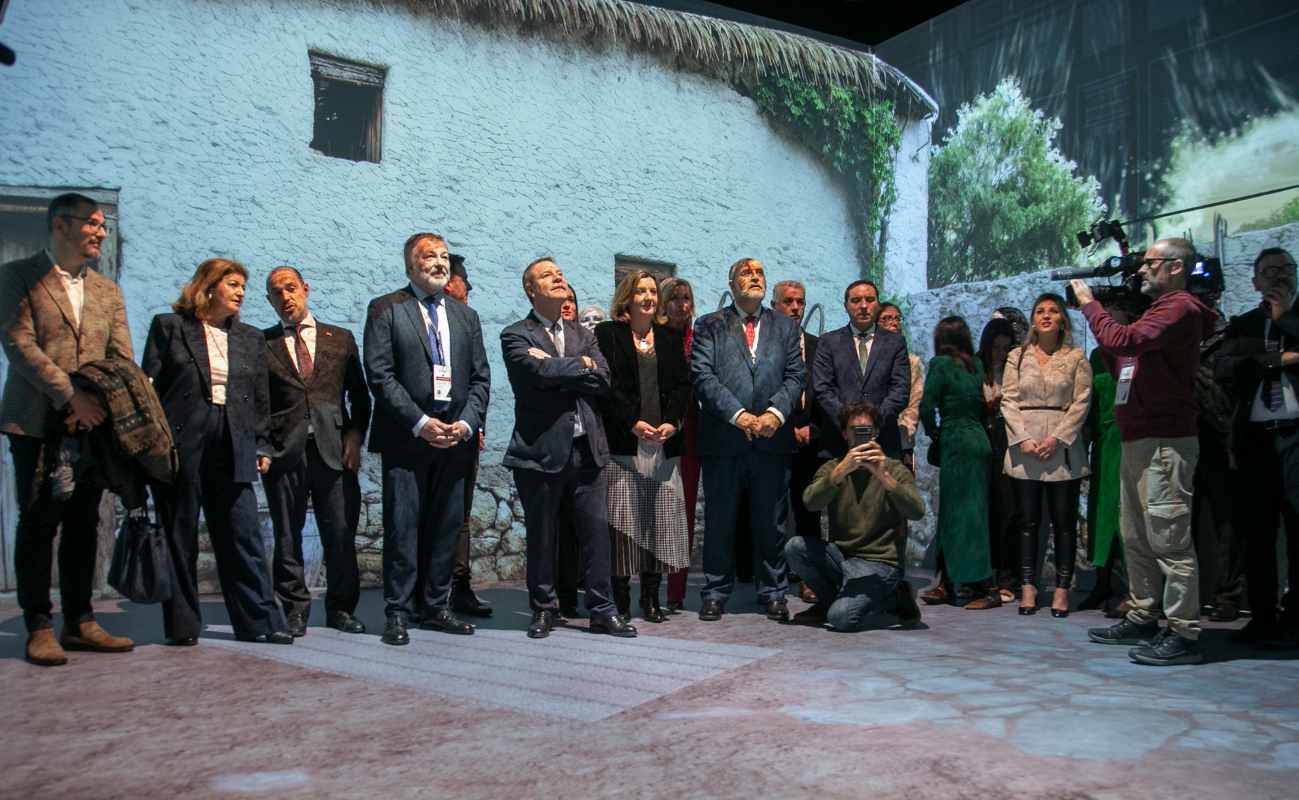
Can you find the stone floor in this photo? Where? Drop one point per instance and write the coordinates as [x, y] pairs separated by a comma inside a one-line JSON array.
[[974, 704]]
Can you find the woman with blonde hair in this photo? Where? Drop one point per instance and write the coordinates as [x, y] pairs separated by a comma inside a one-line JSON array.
[[643, 413], [1046, 392], [210, 373], [677, 311]]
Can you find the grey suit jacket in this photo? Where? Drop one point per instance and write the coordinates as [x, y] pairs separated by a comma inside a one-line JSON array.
[[44, 344], [399, 369], [549, 393], [727, 380]]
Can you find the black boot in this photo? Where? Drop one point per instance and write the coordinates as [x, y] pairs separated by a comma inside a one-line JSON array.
[[622, 595], [650, 609]]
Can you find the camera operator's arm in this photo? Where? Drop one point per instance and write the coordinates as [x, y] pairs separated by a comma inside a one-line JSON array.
[[1154, 330], [1016, 430]]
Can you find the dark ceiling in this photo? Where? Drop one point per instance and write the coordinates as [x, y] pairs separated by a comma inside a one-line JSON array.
[[849, 22]]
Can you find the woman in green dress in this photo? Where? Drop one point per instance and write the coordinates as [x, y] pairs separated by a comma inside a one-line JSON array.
[[952, 412]]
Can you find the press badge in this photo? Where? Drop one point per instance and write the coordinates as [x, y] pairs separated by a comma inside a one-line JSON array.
[[1125, 383], [442, 383]]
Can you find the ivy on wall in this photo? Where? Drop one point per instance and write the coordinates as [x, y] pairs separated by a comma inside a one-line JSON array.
[[853, 135]]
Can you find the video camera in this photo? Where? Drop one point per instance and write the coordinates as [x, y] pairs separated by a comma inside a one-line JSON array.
[[1203, 275]]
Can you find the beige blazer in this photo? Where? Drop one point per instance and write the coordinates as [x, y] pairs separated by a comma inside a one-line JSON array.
[[909, 417], [1038, 403], [44, 344]]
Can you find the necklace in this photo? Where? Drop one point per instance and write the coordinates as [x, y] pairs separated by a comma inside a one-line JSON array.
[[643, 343]]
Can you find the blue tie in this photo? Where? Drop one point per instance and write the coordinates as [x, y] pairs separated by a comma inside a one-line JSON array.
[[434, 343]]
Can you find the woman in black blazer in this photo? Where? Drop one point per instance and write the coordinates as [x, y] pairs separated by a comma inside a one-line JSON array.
[[209, 371], [643, 413]]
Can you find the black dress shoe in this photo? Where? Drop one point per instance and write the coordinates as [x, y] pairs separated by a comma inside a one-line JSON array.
[[613, 625], [345, 622], [675, 607], [297, 625], [778, 610], [652, 612], [394, 630], [711, 611], [543, 622], [274, 637], [443, 620], [464, 601], [181, 641]]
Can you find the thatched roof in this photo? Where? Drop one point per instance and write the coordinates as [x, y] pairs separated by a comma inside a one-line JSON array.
[[725, 48]]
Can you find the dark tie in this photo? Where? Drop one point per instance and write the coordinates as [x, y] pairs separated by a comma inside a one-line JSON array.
[[434, 342], [1272, 395], [305, 365]]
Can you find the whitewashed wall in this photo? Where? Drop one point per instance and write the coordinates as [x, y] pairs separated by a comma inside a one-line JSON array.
[[201, 113]]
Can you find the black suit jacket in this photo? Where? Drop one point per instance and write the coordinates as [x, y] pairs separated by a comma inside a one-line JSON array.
[[176, 358], [335, 401], [621, 409], [550, 392], [399, 370], [807, 412], [1243, 361], [837, 379]]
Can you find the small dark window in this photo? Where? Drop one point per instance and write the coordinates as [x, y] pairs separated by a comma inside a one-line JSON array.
[[349, 108], [624, 264]]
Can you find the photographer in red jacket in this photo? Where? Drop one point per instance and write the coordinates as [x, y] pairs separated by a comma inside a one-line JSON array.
[[1155, 360]]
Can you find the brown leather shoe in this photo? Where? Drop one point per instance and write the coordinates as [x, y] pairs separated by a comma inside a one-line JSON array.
[[89, 636], [935, 596], [43, 649], [806, 594], [984, 601]]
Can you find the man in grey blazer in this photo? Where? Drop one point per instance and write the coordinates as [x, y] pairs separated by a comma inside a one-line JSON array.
[[748, 374], [861, 361], [558, 449], [57, 314], [427, 369], [320, 410]]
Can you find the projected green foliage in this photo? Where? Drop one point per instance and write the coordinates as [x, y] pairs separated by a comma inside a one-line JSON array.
[[854, 136], [1002, 198]]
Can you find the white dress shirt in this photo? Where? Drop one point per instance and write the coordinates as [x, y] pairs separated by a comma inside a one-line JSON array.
[[1259, 412], [444, 340], [305, 329], [753, 355], [556, 334], [74, 286]]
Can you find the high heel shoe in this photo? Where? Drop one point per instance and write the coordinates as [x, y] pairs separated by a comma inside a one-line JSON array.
[[1027, 606], [1027, 611], [1060, 613]]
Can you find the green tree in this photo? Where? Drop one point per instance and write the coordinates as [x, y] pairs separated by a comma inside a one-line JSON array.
[[1003, 200]]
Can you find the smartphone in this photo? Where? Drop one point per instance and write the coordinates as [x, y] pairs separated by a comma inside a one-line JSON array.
[[861, 434]]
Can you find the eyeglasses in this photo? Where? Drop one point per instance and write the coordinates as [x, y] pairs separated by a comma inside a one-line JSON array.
[[100, 225], [890, 317]]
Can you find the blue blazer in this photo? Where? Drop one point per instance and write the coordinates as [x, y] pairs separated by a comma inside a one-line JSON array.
[[176, 358], [727, 380], [837, 379], [549, 393], [399, 371]]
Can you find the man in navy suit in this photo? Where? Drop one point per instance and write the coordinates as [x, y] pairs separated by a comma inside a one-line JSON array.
[[748, 375], [862, 362], [425, 363], [558, 449]]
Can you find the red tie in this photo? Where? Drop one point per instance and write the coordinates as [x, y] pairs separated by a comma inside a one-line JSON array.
[[750, 330], [305, 367]]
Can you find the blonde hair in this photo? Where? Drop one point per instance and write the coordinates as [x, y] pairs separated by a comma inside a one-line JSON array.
[[622, 296], [196, 295], [667, 288]]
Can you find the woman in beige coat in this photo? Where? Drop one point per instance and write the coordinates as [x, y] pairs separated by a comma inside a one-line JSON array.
[[1046, 391]]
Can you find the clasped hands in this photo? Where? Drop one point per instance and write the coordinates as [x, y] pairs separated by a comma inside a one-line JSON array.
[[84, 412], [869, 456], [443, 434], [762, 425], [1043, 450], [538, 353], [651, 433]]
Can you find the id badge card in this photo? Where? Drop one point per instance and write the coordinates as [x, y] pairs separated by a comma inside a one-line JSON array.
[[442, 383], [1126, 373]]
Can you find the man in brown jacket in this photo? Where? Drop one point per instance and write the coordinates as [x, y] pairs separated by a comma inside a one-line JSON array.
[[57, 314]]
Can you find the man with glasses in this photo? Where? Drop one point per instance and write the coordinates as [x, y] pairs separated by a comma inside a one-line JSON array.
[[1155, 360], [1259, 364], [58, 314]]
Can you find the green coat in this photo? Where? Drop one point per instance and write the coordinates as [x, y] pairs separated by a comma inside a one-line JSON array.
[[1103, 494], [957, 397]]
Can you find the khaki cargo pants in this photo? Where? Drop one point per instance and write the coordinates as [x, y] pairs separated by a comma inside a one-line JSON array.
[[1155, 522]]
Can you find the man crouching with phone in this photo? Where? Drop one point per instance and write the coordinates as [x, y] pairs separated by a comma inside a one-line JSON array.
[[857, 576]]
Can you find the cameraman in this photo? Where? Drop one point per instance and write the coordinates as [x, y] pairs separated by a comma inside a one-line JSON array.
[[1155, 360], [857, 576]]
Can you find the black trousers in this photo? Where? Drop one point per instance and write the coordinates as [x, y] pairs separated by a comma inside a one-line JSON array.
[[542, 494], [230, 509], [461, 572], [568, 553], [423, 513], [39, 519], [764, 479], [1060, 499], [803, 468], [1272, 466], [1217, 547], [288, 488]]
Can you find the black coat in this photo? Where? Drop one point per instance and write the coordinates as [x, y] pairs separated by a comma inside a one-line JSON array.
[[176, 358], [621, 409], [1243, 361]]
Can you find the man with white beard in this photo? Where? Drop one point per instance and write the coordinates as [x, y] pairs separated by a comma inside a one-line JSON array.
[[426, 366]]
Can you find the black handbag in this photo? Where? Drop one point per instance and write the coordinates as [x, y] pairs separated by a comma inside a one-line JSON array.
[[933, 454], [141, 569]]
